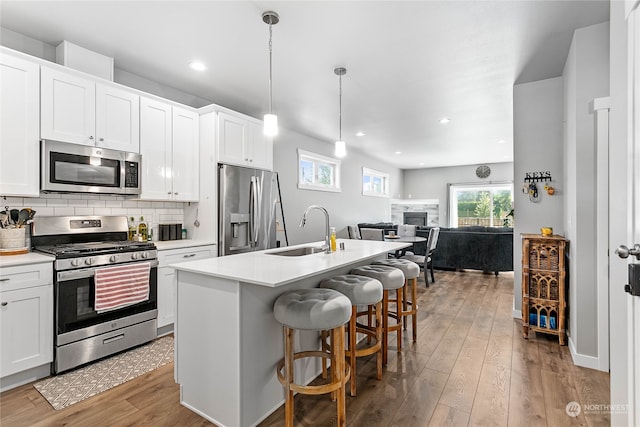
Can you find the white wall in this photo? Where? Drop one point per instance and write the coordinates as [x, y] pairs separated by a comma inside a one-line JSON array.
[[537, 139], [345, 208], [433, 183], [586, 76]]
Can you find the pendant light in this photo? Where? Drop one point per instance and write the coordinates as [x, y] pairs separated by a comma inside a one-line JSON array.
[[270, 119], [341, 146]]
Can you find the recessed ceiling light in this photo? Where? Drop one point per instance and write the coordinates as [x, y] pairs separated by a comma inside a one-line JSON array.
[[421, 164], [444, 120], [360, 133], [398, 152], [198, 66], [501, 141]]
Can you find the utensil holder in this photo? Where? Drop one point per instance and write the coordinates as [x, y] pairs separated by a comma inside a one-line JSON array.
[[12, 238]]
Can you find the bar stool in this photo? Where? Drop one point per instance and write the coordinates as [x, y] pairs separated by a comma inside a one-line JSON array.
[[391, 279], [319, 310], [361, 291], [411, 271]]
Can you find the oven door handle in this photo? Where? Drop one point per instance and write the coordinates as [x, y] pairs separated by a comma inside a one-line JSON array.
[[83, 273]]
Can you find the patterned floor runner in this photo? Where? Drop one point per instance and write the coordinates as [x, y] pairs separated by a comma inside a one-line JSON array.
[[80, 384]]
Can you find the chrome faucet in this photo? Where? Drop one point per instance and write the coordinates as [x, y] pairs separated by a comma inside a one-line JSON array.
[[327, 244]]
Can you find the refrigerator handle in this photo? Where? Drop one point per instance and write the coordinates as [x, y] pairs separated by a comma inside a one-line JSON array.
[[258, 210], [252, 212]]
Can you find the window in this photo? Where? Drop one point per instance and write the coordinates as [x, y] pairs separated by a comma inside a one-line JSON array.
[[375, 183], [484, 205], [317, 172]]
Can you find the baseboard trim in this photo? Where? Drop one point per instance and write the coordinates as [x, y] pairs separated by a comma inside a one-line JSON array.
[[583, 360], [25, 377]]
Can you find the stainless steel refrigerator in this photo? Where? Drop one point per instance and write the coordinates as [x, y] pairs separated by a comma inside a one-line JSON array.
[[249, 210]]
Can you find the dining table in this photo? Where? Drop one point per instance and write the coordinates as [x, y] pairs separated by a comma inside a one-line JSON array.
[[403, 239]]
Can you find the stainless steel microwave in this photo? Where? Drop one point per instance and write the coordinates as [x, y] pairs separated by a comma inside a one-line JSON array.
[[75, 168]]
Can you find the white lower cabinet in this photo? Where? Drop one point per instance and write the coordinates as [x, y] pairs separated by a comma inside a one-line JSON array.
[[26, 317], [167, 277]]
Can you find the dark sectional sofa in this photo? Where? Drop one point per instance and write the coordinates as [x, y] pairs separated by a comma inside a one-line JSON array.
[[475, 248]]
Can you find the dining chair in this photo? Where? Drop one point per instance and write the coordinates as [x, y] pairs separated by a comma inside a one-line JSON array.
[[353, 231], [406, 230], [372, 234], [431, 245], [425, 261]]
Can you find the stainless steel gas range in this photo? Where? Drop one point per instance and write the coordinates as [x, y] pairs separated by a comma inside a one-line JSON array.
[[105, 287]]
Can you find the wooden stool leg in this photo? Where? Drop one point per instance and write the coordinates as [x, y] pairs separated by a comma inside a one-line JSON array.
[[414, 309], [398, 310], [338, 351], [323, 344], [369, 314], [334, 361], [385, 326], [352, 348], [404, 304], [288, 367], [379, 339]]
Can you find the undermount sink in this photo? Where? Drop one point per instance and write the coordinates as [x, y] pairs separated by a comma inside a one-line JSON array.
[[305, 250]]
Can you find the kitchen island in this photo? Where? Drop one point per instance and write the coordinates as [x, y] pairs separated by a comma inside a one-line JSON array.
[[227, 341]]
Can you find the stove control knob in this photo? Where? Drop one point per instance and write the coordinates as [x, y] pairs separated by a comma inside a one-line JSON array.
[[113, 258], [75, 262], [88, 261], [134, 256], [144, 255]]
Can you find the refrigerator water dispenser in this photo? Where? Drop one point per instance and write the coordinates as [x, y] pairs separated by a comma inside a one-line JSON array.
[[239, 238]]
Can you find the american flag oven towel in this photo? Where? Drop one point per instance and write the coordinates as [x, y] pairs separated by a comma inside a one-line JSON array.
[[120, 286]]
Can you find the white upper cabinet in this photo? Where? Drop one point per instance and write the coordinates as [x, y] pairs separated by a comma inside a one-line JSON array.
[[242, 142], [231, 139], [155, 147], [117, 119], [169, 148], [185, 153], [259, 146], [19, 124], [78, 110], [68, 106]]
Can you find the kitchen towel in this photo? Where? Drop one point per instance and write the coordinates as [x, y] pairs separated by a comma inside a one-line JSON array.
[[120, 286]]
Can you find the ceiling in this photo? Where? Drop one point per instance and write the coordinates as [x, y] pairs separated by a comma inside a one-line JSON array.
[[409, 63]]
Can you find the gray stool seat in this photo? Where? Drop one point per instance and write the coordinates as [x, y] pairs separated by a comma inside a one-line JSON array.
[[410, 269], [312, 309], [361, 290], [390, 277]]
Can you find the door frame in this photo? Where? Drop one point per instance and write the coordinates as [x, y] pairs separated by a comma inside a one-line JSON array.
[[621, 210]]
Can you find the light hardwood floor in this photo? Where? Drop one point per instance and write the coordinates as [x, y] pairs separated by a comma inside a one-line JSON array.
[[470, 367]]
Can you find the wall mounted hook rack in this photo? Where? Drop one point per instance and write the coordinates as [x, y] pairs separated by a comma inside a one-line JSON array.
[[544, 176]]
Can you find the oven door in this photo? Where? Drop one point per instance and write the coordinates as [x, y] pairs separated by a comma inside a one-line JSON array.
[[74, 299]]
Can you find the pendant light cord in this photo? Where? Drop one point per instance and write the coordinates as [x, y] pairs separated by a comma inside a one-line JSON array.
[[270, 68], [340, 109]]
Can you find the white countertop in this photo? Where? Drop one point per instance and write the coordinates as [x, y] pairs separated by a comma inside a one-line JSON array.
[[25, 259], [178, 244], [260, 268]]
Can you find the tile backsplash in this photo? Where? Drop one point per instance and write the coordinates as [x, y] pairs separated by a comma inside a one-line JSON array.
[[154, 213]]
